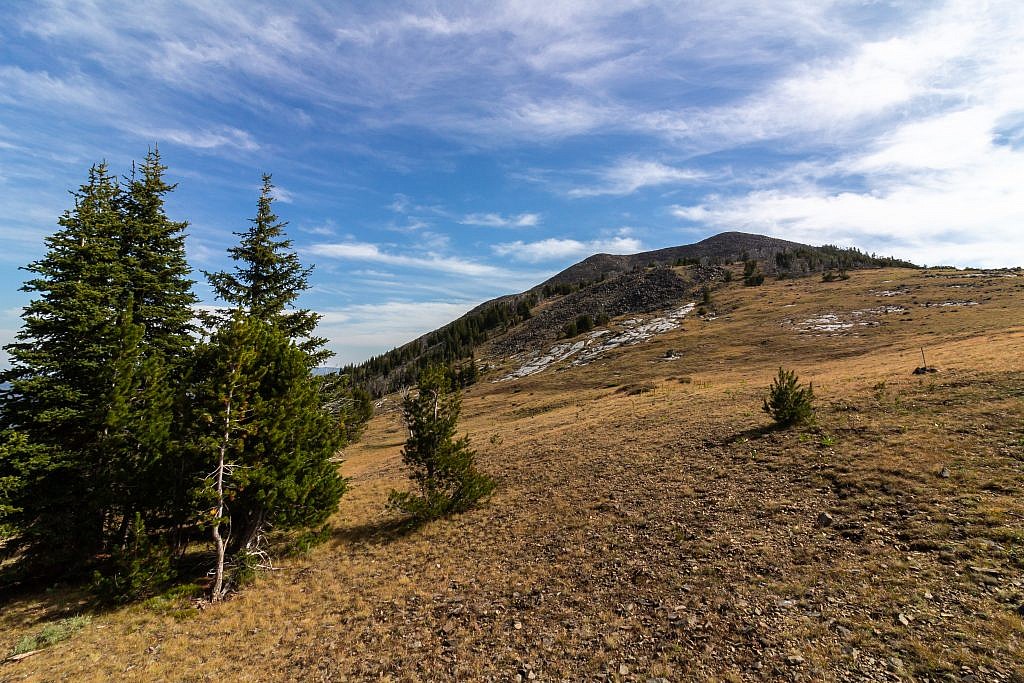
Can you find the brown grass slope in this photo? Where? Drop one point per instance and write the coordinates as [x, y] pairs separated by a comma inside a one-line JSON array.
[[667, 533]]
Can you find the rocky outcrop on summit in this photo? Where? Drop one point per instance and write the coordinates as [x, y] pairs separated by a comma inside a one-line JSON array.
[[723, 247]]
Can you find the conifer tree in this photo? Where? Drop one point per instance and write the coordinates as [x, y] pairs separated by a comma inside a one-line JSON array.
[[443, 467], [153, 254], [137, 440], [90, 407], [268, 278], [60, 377], [261, 431]]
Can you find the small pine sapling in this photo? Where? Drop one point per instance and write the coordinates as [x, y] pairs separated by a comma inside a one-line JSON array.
[[788, 402], [443, 467]]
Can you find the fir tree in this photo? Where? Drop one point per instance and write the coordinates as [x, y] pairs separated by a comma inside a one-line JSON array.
[[153, 253], [443, 467], [60, 378], [137, 441], [91, 400], [268, 278]]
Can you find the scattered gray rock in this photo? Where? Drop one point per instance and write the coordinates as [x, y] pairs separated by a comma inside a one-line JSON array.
[[903, 619], [825, 519], [944, 473]]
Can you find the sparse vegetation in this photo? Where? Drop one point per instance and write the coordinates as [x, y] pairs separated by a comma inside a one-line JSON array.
[[667, 532], [752, 275], [442, 467], [788, 402], [51, 634]]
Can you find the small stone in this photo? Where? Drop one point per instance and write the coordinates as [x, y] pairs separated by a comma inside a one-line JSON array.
[[825, 519], [795, 660], [518, 626], [928, 596], [944, 473], [903, 619], [623, 670], [530, 676]]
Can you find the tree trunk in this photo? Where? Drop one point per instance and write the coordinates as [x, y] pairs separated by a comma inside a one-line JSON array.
[[218, 540]]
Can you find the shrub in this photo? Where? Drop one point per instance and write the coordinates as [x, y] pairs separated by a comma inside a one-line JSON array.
[[788, 402], [833, 276], [752, 275]]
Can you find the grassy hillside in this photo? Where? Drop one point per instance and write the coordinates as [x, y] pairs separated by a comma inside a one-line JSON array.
[[650, 524]]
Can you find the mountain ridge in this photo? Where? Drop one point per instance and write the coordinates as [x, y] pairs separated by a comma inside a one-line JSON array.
[[602, 284]]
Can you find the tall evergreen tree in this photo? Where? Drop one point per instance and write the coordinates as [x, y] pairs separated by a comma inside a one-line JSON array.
[[268, 278], [61, 376], [90, 410], [153, 254]]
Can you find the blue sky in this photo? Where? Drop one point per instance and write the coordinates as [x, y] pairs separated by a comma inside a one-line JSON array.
[[430, 156]]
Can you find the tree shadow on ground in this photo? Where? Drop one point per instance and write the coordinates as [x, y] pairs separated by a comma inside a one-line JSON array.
[[751, 434], [377, 532]]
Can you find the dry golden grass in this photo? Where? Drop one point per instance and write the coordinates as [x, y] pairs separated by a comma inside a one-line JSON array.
[[667, 532]]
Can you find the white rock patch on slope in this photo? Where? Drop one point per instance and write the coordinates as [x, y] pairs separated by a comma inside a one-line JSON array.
[[599, 341]]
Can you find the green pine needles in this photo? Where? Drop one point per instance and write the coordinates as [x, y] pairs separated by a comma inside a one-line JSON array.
[[788, 402], [442, 467]]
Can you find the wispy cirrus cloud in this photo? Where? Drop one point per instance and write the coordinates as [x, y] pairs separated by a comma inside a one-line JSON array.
[[208, 139], [496, 220], [628, 175], [555, 249], [926, 165], [372, 253]]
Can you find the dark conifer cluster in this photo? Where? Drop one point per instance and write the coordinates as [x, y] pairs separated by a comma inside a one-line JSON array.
[[131, 434]]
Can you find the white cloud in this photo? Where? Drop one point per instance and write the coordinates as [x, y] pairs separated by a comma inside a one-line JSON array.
[[935, 179], [553, 249], [960, 202], [18, 85], [282, 195], [496, 220], [360, 331], [363, 251], [629, 175], [204, 139]]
